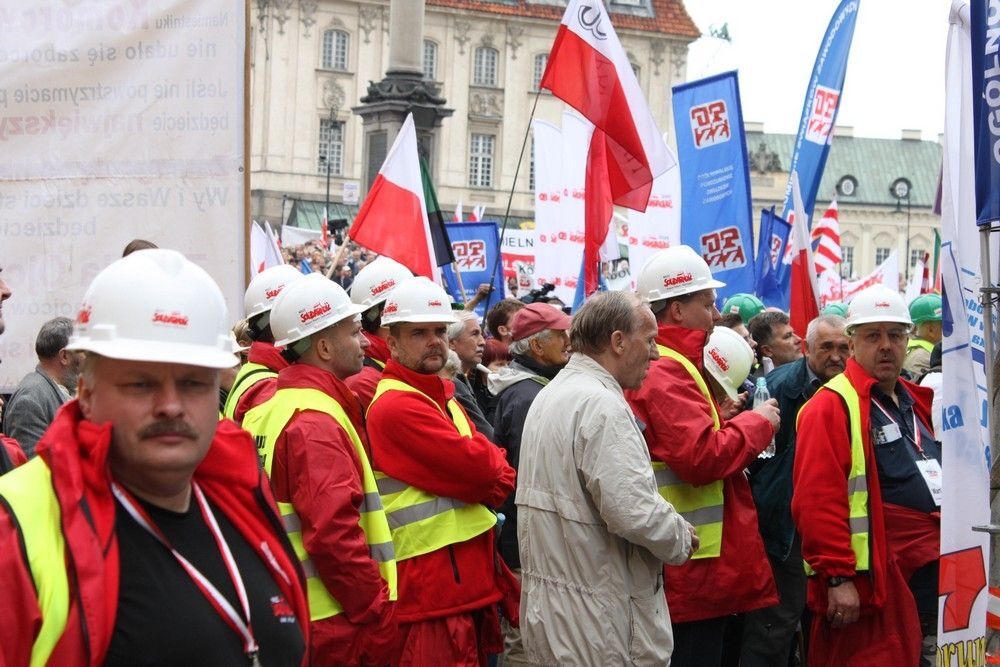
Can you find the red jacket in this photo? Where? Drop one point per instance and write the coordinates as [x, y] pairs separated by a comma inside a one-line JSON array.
[[317, 470], [415, 443], [679, 432], [14, 451], [364, 382], [264, 354], [76, 452], [822, 464]]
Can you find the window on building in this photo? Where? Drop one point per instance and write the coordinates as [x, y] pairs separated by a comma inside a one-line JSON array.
[[882, 254], [847, 261], [331, 146], [335, 44], [481, 160], [541, 62], [484, 71], [916, 255], [430, 60]]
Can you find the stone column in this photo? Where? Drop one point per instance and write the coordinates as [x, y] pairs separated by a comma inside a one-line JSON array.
[[406, 38]]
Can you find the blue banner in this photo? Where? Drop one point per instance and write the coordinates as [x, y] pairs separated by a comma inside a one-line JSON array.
[[819, 115], [771, 246], [716, 213], [986, 110], [476, 247]]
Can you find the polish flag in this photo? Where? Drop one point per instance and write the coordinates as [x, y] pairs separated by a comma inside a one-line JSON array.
[[393, 218], [826, 240], [477, 213], [458, 212], [804, 305]]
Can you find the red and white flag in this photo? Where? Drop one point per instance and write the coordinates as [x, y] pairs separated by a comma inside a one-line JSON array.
[[589, 70], [458, 212], [826, 240], [477, 213], [804, 304], [264, 249], [393, 218]]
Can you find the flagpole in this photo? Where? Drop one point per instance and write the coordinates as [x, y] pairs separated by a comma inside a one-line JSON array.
[[510, 198], [458, 277]]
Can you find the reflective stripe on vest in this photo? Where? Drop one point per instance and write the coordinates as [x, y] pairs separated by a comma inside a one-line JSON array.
[[857, 480], [422, 522], [248, 375], [27, 490], [701, 506], [266, 422], [921, 343]]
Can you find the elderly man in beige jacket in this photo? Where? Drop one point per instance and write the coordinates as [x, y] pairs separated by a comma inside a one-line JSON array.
[[593, 530]]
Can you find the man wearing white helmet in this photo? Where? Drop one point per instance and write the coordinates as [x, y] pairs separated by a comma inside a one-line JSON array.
[[144, 528], [311, 439], [255, 381], [698, 458], [372, 286], [866, 499], [438, 477]]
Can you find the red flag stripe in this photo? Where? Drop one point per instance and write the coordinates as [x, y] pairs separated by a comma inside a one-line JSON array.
[[391, 207]]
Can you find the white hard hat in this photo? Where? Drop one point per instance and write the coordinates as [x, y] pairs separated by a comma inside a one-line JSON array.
[[674, 271], [728, 358], [375, 281], [158, 306], [266, 286], [877, 304], [308, 306], [418, 299]]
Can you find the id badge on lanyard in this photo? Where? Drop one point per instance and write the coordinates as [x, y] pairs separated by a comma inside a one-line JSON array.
[[928, 467]]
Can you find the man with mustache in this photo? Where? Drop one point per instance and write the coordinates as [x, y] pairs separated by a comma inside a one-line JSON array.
[[311, 439], [438, 477], [768, 632], [866, 499], [143, 529]]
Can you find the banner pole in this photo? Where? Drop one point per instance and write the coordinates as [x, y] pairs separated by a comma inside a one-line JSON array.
[[458, 277]]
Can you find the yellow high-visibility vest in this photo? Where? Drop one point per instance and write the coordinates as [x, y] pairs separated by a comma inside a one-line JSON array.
[[248, 375], [701, 506], [28, 492], [857, 480], [422, 522], [266, 422], [921, 343]]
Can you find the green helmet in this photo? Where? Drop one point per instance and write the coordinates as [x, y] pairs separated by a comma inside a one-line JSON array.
[[747, 305], [926, 308], [835, 308]]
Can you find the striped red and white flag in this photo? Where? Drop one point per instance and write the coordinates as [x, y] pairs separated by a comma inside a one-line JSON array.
[[825, 238]]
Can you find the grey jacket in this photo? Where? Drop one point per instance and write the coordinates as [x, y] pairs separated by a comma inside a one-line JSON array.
[[593, 530], [32, 408]]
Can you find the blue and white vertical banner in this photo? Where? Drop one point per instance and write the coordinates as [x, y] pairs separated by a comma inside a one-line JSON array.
[[476, 246], [772, 241], [985, 17], [963, 421], [716, 211], [819, 115]]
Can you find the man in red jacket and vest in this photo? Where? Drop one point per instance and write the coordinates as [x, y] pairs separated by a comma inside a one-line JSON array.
[[438, 478], [310, 436], [144, 527], [254, 382], [866, 499], [372, 286], [698, 459]]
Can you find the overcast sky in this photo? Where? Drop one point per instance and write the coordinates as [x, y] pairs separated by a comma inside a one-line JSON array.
[[895, 75]]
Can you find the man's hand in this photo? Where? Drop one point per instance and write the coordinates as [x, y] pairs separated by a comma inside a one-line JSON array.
[[730, 408], [769, 410], [695, 541], [843, 604]]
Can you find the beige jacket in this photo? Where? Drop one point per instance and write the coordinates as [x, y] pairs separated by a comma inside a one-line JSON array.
[[592, 529]]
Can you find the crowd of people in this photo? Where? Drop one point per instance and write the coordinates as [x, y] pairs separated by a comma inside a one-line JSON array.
[[362, 472]]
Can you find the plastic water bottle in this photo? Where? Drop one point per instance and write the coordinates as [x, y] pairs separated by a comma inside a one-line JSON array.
[[760, 396]]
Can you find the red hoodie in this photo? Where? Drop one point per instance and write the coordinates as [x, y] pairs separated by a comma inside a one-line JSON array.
[[76, 452], [416, 444], [14, 451], [679, 432], [317, 470], [267, 355], [364, 382]]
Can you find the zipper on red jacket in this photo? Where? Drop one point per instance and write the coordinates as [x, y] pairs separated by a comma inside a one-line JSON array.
[[454, 563]]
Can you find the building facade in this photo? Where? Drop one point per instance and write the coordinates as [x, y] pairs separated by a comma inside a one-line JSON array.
[[311, 63]]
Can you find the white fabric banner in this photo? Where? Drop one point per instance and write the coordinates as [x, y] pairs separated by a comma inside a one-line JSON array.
[[118, 120], [549, 263], [297, 235], [964, 415], [660, 225], [831, 288], [517, 249]]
